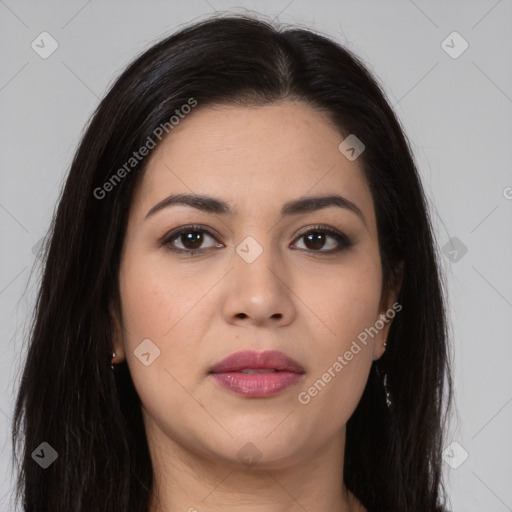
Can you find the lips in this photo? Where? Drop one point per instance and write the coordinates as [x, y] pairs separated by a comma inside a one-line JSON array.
[[257, 374], [260, 361]]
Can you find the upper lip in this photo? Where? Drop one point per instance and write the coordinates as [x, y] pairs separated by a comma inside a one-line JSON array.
[[250, 359]]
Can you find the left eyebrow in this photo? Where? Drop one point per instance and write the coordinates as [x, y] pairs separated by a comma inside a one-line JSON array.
[[309, 204], [214, 205]]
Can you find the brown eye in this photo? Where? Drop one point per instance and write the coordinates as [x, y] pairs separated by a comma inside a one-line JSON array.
[[190, 240], [314, 241], [324, 240]]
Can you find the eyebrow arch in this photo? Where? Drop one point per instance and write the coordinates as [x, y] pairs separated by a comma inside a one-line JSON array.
[[210, 204]]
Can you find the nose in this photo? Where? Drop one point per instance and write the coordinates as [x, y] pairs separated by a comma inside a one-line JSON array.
[[258, 293]]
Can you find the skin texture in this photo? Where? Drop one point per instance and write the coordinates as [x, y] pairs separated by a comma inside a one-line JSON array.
[[293, 297]]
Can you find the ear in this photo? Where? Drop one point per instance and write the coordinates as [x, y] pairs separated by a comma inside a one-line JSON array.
[[117, 330], [388, 309]]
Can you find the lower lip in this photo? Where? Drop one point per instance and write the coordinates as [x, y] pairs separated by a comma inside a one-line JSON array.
[[257, 385]]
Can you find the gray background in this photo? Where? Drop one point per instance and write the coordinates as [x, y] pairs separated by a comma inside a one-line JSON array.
[[456, 112]]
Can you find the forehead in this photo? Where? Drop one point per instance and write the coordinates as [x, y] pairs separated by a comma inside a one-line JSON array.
[[253, 157]]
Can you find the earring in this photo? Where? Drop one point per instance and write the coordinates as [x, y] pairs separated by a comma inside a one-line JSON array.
[[381, 373], [112, 362], [386, 389]]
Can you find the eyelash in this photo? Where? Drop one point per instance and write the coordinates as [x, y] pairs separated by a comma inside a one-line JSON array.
[[341, 238]]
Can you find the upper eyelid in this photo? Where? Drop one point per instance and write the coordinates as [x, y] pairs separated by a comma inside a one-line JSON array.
[[188, 228]]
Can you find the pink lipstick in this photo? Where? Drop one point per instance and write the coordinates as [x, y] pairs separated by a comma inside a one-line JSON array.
[[257, 374]]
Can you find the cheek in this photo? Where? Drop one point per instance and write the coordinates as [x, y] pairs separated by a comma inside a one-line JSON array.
[[345, 300], [348, 305], [156, 305], [343, 356], [165, 304], [156, 297]]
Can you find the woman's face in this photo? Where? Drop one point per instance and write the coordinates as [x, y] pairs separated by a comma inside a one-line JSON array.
[[262, 280]]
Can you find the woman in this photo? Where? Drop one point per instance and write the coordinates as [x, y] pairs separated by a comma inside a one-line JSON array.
[[241, 306]]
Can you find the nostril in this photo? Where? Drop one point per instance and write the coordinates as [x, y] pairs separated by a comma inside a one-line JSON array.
[[241, 315]]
